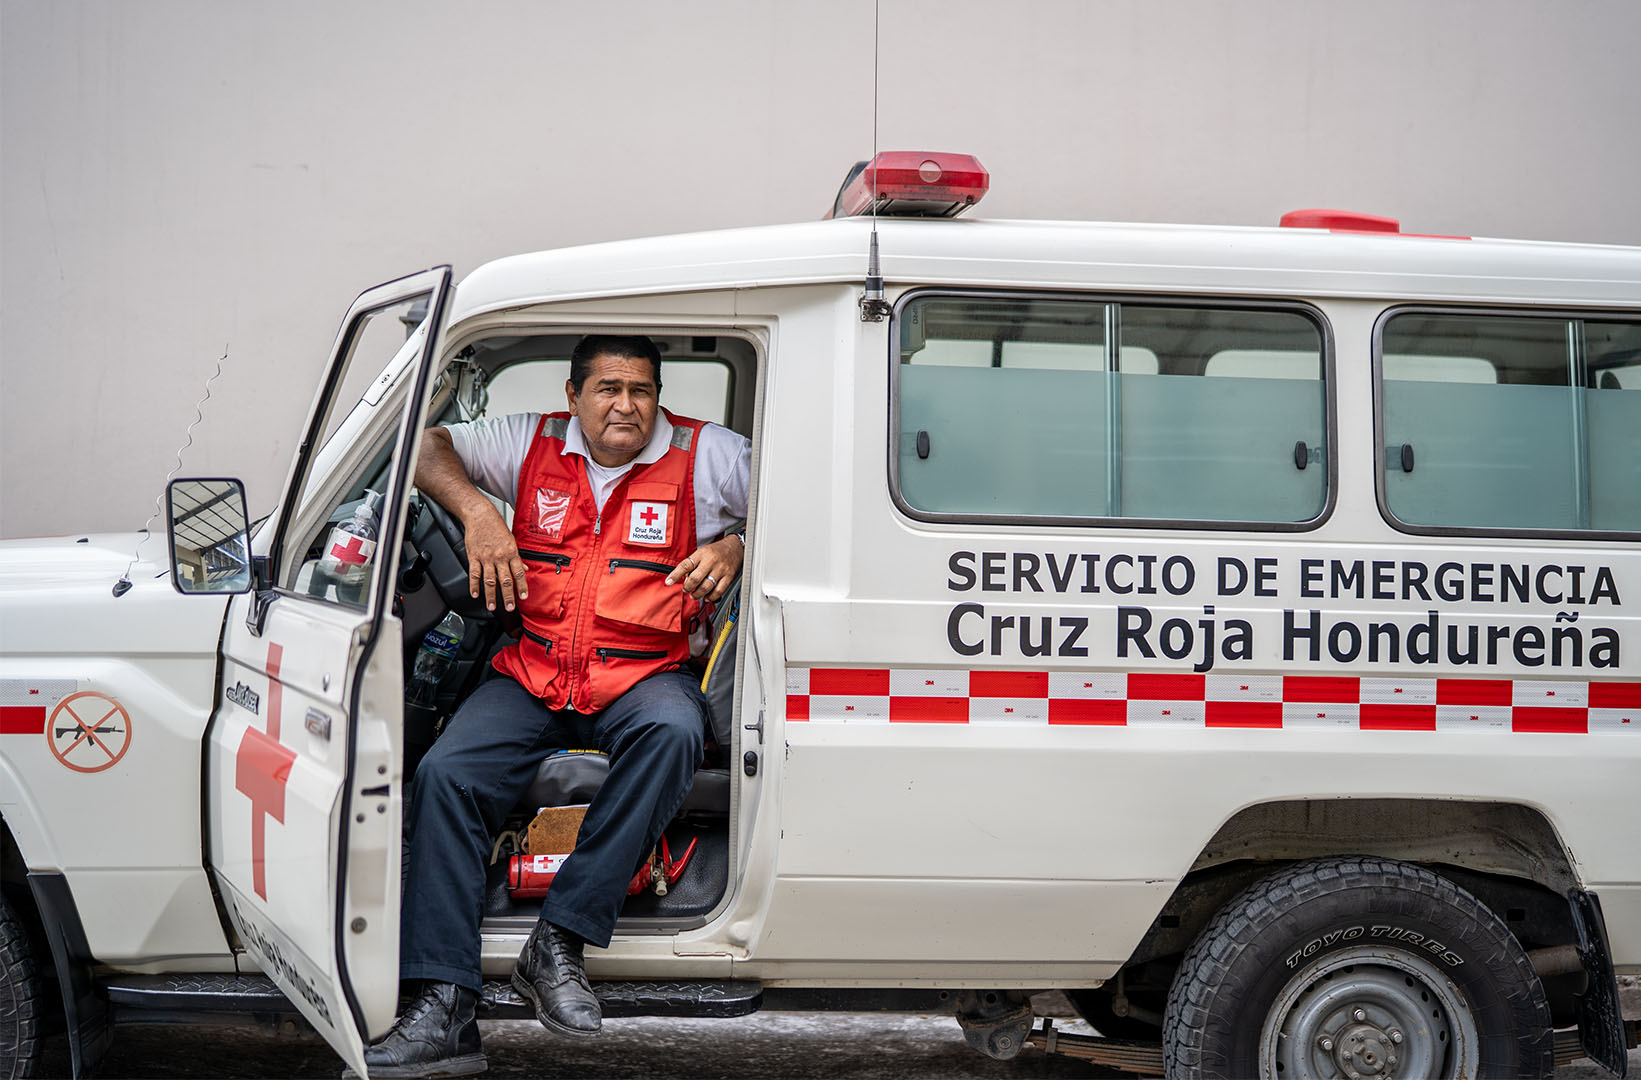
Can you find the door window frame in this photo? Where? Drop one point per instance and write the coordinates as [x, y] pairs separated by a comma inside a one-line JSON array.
[[392, 293]]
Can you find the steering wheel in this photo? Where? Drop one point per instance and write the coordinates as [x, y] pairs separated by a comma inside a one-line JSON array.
[[454, 533], [442, 539]]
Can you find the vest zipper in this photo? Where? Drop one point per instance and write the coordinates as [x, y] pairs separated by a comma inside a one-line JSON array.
[[545, 642], [639, 564], [605, 652], [584, 600], [559, 561]]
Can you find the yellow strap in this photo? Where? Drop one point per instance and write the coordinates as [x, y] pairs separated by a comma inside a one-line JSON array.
[[712, 657]]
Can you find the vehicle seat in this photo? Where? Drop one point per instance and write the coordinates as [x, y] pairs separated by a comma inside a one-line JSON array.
[[572, 777]]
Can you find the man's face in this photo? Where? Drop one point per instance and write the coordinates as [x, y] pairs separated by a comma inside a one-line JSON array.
[[616, 407]]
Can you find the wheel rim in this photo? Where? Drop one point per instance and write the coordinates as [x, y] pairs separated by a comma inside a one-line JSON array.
[[1368, 1013]]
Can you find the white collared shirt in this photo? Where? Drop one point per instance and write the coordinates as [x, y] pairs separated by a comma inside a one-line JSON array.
[[493, 449]]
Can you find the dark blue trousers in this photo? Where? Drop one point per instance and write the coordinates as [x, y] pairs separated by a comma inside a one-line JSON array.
[[480, 767]]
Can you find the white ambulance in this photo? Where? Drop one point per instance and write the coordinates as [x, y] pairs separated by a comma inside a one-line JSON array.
[[1235, 628]]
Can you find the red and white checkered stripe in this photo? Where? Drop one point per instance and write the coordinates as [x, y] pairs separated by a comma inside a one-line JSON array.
[[24, 703], [942, 696]]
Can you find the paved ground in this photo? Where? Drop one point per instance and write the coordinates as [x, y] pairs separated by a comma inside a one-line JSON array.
[[789, 1045], [794, 1046]]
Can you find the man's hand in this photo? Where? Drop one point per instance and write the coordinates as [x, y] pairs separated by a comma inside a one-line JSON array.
[[709, 569], [492, 556], [493, 559]]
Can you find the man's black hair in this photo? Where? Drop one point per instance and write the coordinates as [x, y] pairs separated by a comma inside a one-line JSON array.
[[623, 346]]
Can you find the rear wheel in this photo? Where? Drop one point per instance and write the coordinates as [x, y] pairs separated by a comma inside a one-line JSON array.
[[19, 999], [1354, 968]]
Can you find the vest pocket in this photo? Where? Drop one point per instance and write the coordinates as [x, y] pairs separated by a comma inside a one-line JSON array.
[[613, 670], [540, 663], [548, 574], [652, 513], [635, 592]]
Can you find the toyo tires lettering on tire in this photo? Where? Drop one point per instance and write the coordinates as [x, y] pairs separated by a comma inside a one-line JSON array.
[[1356, 967]]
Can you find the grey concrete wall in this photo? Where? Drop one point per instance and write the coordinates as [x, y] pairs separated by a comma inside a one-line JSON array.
[[184, 177]]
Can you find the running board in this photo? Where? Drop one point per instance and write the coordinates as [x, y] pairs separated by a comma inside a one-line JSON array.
[[168, 999], [668, 997], [180, 998]]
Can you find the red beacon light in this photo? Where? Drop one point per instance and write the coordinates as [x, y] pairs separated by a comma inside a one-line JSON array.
[[1350, 221], [1340, 221], [911, 183]]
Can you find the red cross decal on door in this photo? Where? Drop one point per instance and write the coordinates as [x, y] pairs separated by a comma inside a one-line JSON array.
[[262, 767], [649, 515], [352, 553]]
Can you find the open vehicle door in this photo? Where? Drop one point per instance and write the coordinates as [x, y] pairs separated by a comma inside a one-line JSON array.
[[304, 761]]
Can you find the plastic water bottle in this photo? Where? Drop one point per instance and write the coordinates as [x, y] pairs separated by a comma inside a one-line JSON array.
[[433, 660]]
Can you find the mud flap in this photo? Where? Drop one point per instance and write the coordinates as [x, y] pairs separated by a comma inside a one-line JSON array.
[[1600, 1023], [85, 1013]]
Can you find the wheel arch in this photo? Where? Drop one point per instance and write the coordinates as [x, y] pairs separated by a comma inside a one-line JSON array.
[[1495, 838]]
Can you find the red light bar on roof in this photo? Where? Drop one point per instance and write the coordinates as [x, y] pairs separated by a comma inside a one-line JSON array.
[[1340, 221], [912, 183], [1349, 221]]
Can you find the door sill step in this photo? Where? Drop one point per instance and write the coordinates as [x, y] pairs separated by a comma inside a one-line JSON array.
[[169, 998], [639, 997], [145, 996]]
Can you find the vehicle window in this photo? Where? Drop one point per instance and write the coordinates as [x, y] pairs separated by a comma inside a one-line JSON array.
[[1612, 376], [1264, 364], [697, 388], [1509, 422], [1465, 369], [330, 552], [1008, 407]]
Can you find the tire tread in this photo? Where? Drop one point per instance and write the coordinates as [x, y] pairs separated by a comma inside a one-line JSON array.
[[1207, 962], [20, 1001]]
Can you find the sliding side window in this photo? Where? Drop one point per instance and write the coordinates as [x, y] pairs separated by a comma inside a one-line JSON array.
[[1511, 423], [1019, 407]]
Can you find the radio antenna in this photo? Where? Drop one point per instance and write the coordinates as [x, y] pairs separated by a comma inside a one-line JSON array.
[[873, 307], [875, 35], [123, 586]]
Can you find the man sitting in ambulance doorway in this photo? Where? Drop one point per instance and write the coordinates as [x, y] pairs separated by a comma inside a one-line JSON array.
[[600, 663]]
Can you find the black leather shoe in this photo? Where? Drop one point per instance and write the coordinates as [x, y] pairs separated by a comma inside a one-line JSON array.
[[551, 974], [435, 1035]]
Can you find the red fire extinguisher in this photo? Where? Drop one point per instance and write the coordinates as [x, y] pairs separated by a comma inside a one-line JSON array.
[[528, 876]]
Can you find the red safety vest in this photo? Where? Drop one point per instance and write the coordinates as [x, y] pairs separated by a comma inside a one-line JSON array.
[[600, 615]]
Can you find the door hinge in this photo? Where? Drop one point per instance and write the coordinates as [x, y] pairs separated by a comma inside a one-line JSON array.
[[261, 596]]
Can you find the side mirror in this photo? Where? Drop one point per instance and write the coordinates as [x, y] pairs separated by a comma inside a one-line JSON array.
[[210, 536]]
